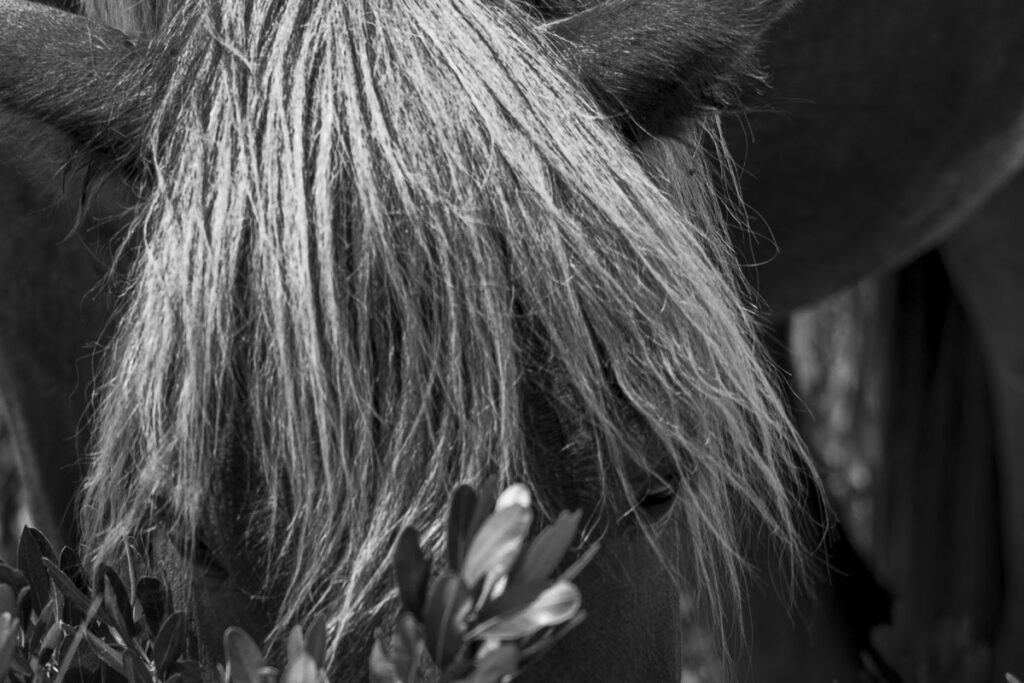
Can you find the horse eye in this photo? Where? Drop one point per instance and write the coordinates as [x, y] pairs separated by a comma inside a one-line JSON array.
[[657, 495]]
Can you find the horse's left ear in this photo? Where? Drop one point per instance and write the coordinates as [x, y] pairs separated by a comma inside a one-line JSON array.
[[647, 59], [76, 74]]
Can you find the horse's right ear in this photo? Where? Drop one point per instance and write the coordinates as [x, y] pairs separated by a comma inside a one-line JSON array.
[[644, 60], [76, 74]]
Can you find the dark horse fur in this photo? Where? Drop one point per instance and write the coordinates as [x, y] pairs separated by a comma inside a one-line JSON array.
[[387, 246]]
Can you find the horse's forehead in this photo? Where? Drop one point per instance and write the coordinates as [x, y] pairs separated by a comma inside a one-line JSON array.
[[135, 17]]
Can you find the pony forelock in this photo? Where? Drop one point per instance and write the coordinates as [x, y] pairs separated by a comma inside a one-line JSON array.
[[375, 222]]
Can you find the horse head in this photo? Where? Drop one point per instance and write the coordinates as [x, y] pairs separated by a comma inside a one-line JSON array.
[[386, 246]]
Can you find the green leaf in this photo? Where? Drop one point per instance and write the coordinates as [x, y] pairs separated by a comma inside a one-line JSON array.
[[188, 671], [539, 647], [32, 547], [301, 670], [50, 641], [406, 648], [486, 495], [556, 605], [104, 651], [169, 643], [71, 565], [515, 598], [153, 598], [66, 586], [71, 652], [25, 605], [42, 625], [381, 668], [448, 603], [117, 606], [460, 519], [497, 664], [412, 571], [243, 656], [582, 561], [135, 668], [132, 560], [316, 640], [296, 644], [546, 551], [497, 544]]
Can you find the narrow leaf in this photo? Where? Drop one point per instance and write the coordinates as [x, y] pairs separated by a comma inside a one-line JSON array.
[[107, 654], [71, 564], [381, 668], [301, 670], [558, 604], [71, 651], [32, 547], [497, 664], [169, 643], [152, 597], [460, 517], [50, 641], [448, 603], [406, 648], [582, 561], [66, 586], [539, 647], [243, 656], [296, 644], [316, 640], [135, 668], [497, 543], [187, 670], [486, 496], [42, 625], [546, 551], [412, 571], [116, 603], [516, 597]]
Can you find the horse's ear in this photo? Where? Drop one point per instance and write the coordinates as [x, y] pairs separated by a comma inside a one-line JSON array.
[[647, 59], [76, 74]]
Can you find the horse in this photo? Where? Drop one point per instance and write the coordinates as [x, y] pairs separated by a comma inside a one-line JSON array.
[[383, 247], [862, 156], [54, 313]]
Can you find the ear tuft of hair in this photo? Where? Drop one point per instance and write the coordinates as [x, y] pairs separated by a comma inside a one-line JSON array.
[[651, 61], [79, 75]]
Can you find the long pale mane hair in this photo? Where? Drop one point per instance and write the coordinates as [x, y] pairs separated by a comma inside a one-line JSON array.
[[371, 225]]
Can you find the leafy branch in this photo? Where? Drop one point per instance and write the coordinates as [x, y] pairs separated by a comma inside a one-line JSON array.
[[495, 610]]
